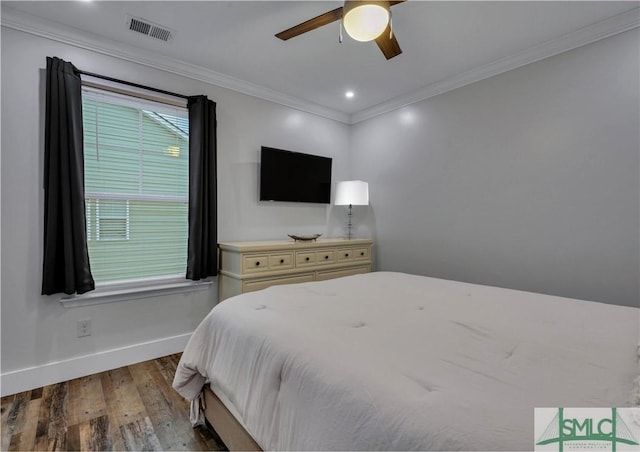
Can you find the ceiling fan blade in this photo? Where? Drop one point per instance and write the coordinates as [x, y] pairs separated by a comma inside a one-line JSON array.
[[311, 24], [389, 45], [395, 2]]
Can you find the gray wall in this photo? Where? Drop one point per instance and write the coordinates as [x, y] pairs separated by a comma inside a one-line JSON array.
[[37, 330], [526, 180]]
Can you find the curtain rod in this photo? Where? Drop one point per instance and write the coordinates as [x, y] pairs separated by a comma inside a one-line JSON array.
[[136, 85]]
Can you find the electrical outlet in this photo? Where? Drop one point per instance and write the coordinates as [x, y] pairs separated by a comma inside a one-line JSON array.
[[84, 327]]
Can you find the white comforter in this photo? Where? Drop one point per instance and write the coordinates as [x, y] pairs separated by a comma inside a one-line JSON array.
[[400, 362]]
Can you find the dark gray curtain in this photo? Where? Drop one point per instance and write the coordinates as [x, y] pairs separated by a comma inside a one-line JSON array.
[[202, 258], [66, 258]]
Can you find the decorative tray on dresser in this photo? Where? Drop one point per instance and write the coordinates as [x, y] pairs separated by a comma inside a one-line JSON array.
[[249, 266]]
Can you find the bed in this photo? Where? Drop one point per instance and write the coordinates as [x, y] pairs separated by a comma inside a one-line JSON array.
[[392, 361]]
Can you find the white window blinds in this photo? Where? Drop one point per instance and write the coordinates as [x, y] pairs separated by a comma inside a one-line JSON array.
[[136, 156]]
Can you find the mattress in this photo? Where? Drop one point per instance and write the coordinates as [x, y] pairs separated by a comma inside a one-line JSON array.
[[391, 361]]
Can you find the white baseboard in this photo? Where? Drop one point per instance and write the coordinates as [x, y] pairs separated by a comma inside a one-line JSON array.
[[81, 366]]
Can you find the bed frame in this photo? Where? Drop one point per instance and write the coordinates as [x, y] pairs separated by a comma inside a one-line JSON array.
[[232, 433]]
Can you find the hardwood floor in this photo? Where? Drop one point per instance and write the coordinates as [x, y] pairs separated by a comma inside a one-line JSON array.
[[131, 408]]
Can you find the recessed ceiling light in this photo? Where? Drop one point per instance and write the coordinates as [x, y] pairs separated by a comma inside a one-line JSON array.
[[349, 94]]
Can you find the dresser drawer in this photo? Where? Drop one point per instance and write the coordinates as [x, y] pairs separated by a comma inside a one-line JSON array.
[[251, 286], [325, 257], [361, 253], [349, 254], [280, 261], [330, 274], [305, 258], [254, 263]]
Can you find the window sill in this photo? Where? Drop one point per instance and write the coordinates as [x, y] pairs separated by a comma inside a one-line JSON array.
[[133, 291]]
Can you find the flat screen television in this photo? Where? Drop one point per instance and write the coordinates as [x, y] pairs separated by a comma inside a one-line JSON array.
[[294, 176]]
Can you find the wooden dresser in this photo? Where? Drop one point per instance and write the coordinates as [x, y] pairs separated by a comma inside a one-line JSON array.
[[249, 266]]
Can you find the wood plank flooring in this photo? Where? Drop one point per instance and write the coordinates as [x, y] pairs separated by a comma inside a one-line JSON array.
[[131, 408]]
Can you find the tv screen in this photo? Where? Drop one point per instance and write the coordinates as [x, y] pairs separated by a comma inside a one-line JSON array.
[[294, 177]]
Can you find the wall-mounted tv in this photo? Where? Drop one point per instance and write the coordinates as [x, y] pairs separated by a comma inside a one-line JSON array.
[[294, 177]]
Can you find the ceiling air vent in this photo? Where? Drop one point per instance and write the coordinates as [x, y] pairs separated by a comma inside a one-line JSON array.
[[149, 28]]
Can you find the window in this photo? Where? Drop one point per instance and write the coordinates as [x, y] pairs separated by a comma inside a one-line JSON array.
[[111, 218], [136, 158]]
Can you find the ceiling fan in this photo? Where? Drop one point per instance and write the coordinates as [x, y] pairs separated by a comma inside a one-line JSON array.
[[363, 20]]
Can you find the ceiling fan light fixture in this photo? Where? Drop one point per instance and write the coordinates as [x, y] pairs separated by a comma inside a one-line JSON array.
[[365, 20]]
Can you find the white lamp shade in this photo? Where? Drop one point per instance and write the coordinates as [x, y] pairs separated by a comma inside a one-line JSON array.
[[352, 192], [365, 20]]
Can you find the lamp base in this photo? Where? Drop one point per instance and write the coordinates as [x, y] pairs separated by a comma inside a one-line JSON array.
[[349, 225]]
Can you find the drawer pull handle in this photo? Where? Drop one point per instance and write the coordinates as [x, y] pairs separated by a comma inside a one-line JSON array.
[[346, 254], [257, 263], [326, 257], [362, 253], [282, 261], [306, 259]]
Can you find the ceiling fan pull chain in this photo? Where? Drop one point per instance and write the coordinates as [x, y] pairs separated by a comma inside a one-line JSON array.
[[390, 25], [340, 33]]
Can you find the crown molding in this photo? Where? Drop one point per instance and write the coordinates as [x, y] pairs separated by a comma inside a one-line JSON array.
[[28, 23], [583, 36], [600, 30]]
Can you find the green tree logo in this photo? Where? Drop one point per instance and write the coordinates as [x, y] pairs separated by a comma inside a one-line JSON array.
[[563, 429]]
